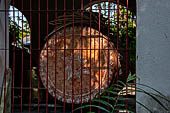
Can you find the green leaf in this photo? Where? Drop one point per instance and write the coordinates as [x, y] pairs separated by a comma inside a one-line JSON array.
[[111, 92], [151, 88], [116, 85], [122, 83], [108, 97], [95, 106], [144, 106], [120, 105], [153, 97], [131, 78], [103, 102]]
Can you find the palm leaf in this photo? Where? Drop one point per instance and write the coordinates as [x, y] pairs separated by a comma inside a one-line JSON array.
[[153, 97], [95, 106], [103, 102], [144, 106]]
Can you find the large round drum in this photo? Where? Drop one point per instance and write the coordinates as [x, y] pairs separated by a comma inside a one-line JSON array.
[[75, 66]]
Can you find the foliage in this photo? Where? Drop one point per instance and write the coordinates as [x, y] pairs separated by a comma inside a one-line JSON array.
[[112, 100], [113, 20], [18, 31]]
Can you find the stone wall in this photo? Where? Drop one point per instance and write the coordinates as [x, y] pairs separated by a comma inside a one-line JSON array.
[[153, 50]]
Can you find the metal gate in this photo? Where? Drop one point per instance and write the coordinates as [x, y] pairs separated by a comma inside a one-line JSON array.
[[70, 56]]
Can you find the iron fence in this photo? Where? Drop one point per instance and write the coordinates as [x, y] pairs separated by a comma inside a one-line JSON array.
[[63, 54]]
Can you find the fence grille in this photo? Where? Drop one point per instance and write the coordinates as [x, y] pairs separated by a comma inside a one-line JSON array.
[[66, 54]]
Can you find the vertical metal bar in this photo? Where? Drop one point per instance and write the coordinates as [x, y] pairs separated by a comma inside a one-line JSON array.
[[64, 50], [117, 55], [55, 52], [81, 49], [13, 68], [22, 60], [47, 62], [73, 56], [117, 39], [108, 59], [99, 51], [38, 54], [5, 58], [90, 48], [127, 48], [30, 55], [94, 50]]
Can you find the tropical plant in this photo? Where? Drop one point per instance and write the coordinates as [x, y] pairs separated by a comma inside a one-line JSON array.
[[125, 16], [18, 28], [116, 99]]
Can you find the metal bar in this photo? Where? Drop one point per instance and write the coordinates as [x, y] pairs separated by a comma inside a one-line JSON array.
[[68, 10], [117, 38], [39, 19], [117, 46], [56, 45], [41, 105], [73, 57], [30, 56], [64, 51], [90, 48], [47, 61], [127, 46], [108, 59], [81, 50], [22, 61], [121, 49], [39, 55], [13, 69], [99, 52]]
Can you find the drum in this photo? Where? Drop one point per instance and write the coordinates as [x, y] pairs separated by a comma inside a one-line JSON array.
[[77, 65]]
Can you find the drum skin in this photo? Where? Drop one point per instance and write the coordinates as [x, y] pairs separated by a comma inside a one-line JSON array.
[[77, 65]]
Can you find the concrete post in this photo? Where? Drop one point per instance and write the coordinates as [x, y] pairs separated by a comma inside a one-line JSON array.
[[153, 50], [2, 39], [3, 35]]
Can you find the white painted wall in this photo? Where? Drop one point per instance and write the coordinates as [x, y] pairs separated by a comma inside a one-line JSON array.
[[2, 40], [153, 49]]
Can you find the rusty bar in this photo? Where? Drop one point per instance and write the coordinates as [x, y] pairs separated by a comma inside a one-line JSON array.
[[13, 68], [39, 19], [30, 56], [99, 51], [108, 59], [73, 57], [47, 61], [117, 39], [85, 49], [81, 49], [64, 51], [55, 52], [22, 61], [117, 46], [90, 48], [59, 10], [127, 46]]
